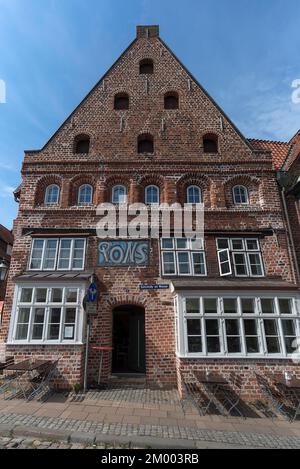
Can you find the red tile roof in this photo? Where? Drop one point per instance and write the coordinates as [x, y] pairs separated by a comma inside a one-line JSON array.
[[6, 235], [280, 150]]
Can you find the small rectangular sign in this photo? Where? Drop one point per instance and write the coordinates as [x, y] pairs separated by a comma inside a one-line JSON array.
[[122, 253], [154, 287]]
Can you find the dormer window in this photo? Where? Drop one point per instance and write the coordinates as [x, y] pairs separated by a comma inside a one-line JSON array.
[[121, 102], [210, 143], [146, 67], [82, 144], [171, 101], [145, 144]]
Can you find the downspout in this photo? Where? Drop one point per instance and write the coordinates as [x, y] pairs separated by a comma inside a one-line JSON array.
[[293, 254]]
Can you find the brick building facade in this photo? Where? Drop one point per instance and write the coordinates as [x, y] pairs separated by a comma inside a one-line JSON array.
[[148, 130]]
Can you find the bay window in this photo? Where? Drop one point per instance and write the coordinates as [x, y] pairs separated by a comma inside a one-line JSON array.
[[60, 254], [237, 326], [183, 257], [47, 314]]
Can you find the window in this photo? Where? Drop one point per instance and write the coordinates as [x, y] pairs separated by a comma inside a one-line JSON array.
[[240, 195], [171, 101], [183, 257], [210, 143], [152, 195], [237, 326], [60, 254], [47, 314], [146, 67], [52, 195], [240, 257], [193, 195], [121, 102], [145, 144], [119, 195], [85, 195], [82, 144]]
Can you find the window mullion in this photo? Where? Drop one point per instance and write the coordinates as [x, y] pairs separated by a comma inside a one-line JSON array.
[[281, 337]]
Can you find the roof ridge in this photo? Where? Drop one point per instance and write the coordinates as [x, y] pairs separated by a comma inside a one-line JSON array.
[[268, 141]]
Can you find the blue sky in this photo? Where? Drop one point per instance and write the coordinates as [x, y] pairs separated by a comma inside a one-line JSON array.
[[244, 52]]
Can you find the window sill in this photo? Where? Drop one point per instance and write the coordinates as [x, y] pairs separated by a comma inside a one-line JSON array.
[[41, 344], [193, 356]]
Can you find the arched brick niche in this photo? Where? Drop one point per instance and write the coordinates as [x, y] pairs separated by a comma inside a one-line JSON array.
[[41, 187], [120, 180], [75, 185], [203, 182], [252, 185], [150, 180]]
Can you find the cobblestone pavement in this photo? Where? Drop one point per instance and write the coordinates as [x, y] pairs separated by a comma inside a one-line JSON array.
[[130, 394], [249, 439], [33, 443]]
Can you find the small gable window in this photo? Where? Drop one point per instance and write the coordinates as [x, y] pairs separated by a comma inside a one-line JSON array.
[[194, 195], [52, 195], [146, 67], [210, 143], [152, 195], [82, 144], [85, 195], [171, 101], [121, 102], [240, 195], [119, 195], [145, 144]]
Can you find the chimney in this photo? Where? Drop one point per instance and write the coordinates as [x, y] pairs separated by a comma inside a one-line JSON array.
[[147, 31]]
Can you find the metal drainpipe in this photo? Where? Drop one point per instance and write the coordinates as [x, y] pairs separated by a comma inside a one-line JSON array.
[[292, 246]]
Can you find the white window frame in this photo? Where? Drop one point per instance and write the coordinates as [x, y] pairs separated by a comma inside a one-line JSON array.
[[189, 250], [81, 188], [234, 195], [114, 189], [79, 321], [244, 250], [257, 316], [58, 249], [193, 186], [48, 188], [147, 188]]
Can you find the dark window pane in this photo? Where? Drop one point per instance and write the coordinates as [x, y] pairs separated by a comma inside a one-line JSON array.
[[232, 327], [194, 327], [270, 327], [213, 344], [252, 345], [56, 296], [195, 344], [192, 305], [250, 327], [248, 305], [267, 305], [26, 295], [70, 315], [288, 327], [234, 344], [237, 244], [223, 243], [22, 330], [285, 306], [37, 331], [273, 345], [41, 295], [24, 314], [53, 332], [55, 315], [210, 306], [212, 327], [230, 305], [290, 344]]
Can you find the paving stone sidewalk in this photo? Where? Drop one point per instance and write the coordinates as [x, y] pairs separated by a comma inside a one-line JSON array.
[[148, 418]]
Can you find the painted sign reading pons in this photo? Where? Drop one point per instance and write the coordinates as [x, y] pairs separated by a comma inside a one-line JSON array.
[[119, 253]]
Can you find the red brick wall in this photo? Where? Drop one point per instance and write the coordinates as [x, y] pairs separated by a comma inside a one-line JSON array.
[[178, 161]]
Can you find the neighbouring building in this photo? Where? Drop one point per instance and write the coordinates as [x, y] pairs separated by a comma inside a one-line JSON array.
[[149, 132], [6, 243]]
